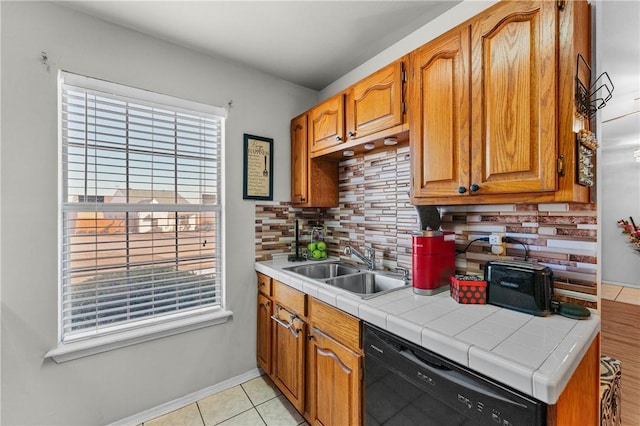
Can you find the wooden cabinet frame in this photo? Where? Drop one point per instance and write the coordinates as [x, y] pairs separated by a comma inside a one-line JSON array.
[[314, 181], [492, 107]]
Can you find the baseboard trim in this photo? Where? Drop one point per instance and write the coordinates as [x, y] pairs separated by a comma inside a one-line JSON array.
[[170, 406]]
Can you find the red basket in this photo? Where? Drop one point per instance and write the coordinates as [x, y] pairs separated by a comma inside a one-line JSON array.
[[468, 291]]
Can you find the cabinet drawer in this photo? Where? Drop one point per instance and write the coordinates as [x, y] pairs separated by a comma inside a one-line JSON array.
[[342, 327], [264, 284], [290, 298]]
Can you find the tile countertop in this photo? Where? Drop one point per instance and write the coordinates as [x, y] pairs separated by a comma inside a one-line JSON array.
[[535, 355]]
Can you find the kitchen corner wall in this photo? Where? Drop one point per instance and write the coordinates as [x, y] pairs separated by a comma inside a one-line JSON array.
[[374, 209]]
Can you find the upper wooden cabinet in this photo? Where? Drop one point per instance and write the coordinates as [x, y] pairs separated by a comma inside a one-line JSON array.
[[314, 181], [440, 119], [376, 103], [299, 160], [484, 123], [367, 112], [326, 124], [513, 98]]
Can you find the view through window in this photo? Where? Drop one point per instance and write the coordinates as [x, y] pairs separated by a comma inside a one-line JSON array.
[[141, 229]]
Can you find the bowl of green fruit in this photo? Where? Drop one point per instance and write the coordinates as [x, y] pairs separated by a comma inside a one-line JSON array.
[[317, 250]]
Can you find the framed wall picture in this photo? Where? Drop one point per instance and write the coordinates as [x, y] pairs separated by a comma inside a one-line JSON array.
[[258, 168]]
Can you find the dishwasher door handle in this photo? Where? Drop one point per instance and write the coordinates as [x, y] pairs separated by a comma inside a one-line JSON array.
[[453, 376]]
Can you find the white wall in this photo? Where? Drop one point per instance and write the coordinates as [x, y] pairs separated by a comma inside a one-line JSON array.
[[619, 175], [114, 385], [454, 16]]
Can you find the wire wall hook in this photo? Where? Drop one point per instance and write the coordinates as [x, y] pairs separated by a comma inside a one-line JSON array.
[[44, 59], [591, 97]]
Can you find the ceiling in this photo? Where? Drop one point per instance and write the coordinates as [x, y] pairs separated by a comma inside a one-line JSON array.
[[310, 43]]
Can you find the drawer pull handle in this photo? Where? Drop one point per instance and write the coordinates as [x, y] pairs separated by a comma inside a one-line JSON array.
[[288, 325]]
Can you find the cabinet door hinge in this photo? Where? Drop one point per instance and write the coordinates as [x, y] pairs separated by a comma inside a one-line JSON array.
[[561, 4], [404, 107], [561, 165]]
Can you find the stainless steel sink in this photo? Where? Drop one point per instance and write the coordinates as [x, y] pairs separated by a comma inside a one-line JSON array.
[[367, 284], [324, 270]]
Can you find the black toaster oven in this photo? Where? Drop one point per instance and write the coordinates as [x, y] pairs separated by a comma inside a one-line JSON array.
[[522, 286]]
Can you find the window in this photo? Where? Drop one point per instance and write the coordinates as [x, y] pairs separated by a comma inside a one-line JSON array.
[[141, 214]]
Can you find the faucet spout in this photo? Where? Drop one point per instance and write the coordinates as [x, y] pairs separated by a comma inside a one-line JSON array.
[[369, 258]]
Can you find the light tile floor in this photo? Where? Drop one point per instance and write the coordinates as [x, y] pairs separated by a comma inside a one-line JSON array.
[[621, 294], [256, 402]]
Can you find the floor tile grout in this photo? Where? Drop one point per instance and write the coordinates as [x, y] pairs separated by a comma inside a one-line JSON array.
[[253, 406]]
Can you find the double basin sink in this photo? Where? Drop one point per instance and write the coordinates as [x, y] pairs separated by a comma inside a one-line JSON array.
[[348, 277]]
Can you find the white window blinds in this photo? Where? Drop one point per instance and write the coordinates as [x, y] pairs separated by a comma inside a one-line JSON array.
[[141, 229]]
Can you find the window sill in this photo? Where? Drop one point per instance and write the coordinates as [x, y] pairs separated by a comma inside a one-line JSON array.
[[69, 351]]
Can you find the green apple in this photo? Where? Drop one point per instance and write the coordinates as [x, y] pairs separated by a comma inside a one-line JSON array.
[[317, 254], [311, 247], [321, 245]]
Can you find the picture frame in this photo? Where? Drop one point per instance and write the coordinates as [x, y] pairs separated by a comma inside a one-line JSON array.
[[257, 168]]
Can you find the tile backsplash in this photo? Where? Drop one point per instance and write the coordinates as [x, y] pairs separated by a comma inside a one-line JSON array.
[[374, 210]]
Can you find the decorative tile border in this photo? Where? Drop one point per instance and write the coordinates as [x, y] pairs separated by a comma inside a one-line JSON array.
[[374, 210]]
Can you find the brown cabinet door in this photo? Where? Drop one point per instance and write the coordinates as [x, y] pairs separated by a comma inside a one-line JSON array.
[[440, 117], [299, 160], [514, 98], [326, 124], [335, 390], [375, 103], [264, 334], [314, 181], [264, 284], [288, 342]]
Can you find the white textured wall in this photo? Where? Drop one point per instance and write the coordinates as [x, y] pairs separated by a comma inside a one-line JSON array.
[[454, 16], [619, 175], [107, 387]]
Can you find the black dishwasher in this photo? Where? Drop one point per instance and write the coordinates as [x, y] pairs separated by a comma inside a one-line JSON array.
[[406, 384]]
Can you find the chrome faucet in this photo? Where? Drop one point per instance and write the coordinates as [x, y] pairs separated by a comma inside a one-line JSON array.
[[404, 272], [369, 257]]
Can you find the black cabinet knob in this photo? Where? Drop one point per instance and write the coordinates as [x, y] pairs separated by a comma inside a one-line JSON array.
[[462, 190], [474, 187]]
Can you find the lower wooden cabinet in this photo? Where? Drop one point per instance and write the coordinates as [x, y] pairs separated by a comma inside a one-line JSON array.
[[263, 352], [288, 355], [312, 352], [281, 337], [579, 403], [334, 382]]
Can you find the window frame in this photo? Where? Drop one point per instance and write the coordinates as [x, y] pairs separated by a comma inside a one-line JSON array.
[[128, 332]]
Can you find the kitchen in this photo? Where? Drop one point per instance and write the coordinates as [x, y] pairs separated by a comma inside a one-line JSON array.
[[129, 380]]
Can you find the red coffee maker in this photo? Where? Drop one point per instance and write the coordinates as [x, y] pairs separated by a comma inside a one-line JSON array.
[[434, 261]]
